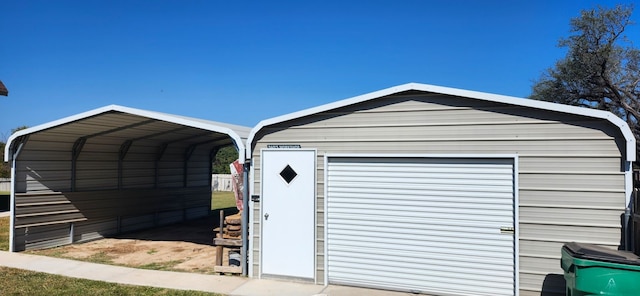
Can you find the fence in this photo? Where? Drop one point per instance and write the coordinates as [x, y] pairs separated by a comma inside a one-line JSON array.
[[221, 182], [5, 184], [5, 187]]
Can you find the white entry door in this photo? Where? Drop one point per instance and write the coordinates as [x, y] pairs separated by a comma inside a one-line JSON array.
[[288, 207]]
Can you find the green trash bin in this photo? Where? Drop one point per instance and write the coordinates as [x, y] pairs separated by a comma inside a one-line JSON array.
[[594, 270]]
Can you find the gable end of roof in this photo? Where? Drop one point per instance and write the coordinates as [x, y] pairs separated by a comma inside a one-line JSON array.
[[621, 124]]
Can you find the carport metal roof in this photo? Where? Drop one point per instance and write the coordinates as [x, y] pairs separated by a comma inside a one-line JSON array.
[[621, 124], [118, 124]]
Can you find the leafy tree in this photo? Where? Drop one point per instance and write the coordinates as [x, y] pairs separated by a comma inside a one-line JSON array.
[[601, 69], [224, 157], [13, 131]]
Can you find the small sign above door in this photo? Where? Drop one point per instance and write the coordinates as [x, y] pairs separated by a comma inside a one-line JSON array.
[[285, 146]]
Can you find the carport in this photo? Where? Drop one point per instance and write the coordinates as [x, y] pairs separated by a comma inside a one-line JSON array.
[[111, 170]]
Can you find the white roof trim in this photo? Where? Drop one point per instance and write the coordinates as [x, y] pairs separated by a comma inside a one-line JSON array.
[[621, 124], [238, 133]]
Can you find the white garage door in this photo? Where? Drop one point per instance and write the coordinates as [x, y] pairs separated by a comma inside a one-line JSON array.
[[428, 225]]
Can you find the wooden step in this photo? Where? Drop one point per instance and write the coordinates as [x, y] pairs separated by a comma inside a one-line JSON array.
[[227, 269]]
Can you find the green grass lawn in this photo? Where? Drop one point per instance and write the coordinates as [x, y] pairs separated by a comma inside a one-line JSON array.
[[22, 282], [222, 200], [4, 234]]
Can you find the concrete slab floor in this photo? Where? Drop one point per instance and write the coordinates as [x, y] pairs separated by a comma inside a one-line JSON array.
[[263, 287], [333, 290]]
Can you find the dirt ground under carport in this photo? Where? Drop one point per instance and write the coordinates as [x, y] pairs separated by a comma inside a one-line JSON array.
[[187, 246]]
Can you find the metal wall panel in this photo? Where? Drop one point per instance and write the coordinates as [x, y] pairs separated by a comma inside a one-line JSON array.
[[548, 144], [133, 223], [138, 182], [197, 212], [570, 216], [42, 237], [451, 132], [543, 197], [137, 173], [85, 231], [256, 217], [552, 284], [169, 217], [568, 181], [422, 225], [95, 214], [583, 165], [551, 234], [550, 148]]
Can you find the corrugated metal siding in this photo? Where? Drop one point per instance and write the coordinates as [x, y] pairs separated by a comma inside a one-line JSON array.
[[549, 145], [421, 225], [45, 162], [138, 171], [133, 223], [46, 217], [199, 168], [171, 167], [169, 217], [94, 229], [46, 236], [255, 239], [197, 212]]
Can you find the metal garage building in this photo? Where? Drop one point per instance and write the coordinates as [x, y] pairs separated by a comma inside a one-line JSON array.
[[436, 190], [111, 170]]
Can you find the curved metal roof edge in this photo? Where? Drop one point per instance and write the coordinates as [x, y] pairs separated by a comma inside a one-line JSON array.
[[621, 124], [239, 134]]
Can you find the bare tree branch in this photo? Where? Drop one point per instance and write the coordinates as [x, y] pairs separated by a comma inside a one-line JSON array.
[[601, 69]]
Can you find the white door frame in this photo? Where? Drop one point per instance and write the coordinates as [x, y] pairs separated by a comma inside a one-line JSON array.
[[516, 198], [314, 210]]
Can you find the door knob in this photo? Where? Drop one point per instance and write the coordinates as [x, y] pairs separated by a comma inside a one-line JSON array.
[[266, 216]]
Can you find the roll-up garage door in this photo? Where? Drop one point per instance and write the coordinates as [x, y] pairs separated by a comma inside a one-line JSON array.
[[430, 225]]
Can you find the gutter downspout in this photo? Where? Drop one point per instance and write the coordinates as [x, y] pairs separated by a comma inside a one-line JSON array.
[[628, 210], [627, 229], [245, 219]]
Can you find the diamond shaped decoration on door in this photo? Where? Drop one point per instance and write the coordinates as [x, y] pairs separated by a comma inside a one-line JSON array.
[[288, 174]]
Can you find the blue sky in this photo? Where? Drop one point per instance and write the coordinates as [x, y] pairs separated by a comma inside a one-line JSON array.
[[244, 61]]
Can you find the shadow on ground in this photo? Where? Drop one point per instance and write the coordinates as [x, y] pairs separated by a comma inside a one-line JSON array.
[[198, 231]]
